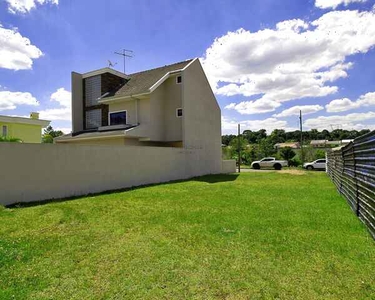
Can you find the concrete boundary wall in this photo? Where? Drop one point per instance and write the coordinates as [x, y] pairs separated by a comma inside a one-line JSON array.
[[229, 166], [35, 172]]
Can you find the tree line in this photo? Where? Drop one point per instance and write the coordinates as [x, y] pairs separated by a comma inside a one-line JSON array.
[[257, 144], [281, 136]]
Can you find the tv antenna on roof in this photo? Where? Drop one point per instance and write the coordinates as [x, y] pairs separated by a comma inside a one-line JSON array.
[[125, 53], [111, 64]]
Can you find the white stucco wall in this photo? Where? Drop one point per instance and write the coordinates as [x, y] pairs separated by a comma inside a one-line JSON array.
[[172, 100], [201, 116], [129, 106], [34, 172]]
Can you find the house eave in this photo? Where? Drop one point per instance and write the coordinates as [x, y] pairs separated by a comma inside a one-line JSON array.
[[123, 98], [102, 71], [27, 121]]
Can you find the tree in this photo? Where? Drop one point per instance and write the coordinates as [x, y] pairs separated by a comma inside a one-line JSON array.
[[261, 135], [278, 136], [226, 139], [243, 143], [256, 144], [266, 148], [320, 154], [49, 134], [287, 154]]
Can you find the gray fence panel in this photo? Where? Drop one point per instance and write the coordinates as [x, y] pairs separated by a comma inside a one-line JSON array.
[[352, 170]]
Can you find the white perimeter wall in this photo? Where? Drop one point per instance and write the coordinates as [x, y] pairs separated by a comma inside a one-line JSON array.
[[34, 172]]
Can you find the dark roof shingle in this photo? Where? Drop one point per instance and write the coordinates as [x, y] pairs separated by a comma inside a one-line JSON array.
[[141, 82]]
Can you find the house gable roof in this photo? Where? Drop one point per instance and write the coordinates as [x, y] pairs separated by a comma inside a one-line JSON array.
[[23, 120], [141, 82]]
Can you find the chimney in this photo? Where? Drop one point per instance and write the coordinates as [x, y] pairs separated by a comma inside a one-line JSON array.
[[34, 115]]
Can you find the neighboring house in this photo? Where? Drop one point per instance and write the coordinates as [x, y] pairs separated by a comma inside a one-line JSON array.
[[28, 130], [345, 142], [333, 143], [294, 145], [324, 143], [168, 106], [318, 143]]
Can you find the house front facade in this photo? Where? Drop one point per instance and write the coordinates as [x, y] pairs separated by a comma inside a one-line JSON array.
[[293, 145], [28, 130], [150, 108]]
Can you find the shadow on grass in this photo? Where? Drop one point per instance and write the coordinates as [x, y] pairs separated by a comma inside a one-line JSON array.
[[216, 178], [206, 178]]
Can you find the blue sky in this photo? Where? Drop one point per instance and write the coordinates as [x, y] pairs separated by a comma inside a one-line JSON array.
[[265, 59]]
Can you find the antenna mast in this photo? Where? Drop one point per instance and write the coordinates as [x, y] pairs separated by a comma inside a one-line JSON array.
[[125, 53]]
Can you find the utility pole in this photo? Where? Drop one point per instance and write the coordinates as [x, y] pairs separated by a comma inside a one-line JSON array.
[[300, 126], [125, 53], [239, 148]]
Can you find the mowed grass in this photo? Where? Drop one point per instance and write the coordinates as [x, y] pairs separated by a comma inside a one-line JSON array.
[[254, 236]]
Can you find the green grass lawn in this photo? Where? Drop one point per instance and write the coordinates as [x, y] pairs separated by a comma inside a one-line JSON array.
[[256, 236]]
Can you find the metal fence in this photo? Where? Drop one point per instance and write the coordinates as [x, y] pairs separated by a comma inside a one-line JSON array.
[[352, 169]]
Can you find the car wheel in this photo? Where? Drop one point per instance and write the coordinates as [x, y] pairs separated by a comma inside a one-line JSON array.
[[256, 166], [310, 168], [277, 166]]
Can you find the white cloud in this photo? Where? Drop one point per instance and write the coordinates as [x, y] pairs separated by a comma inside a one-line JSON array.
[[229, 126], [56, 114], [339, 105], [295, 60], [66, 130], [25, 6], [367, 99], [295, 110], [10, 100], [345, 104], [16, 51], [323, 4], [63, 112], [63, 97], [350, 121], [254, 107]]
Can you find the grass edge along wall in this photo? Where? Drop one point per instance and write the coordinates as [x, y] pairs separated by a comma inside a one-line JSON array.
[[51, 171]]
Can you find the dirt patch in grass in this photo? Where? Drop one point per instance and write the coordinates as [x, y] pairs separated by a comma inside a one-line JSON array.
[[293, 172]]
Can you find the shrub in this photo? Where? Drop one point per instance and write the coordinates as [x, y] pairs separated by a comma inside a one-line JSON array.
[[287, 153], [295, 162], [8, 139]]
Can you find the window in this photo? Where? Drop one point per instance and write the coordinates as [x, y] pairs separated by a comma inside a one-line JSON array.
[[117, 118], [179, 112], [321, 161], [93, 118], [178, 79], [5, 130], [93, 90]]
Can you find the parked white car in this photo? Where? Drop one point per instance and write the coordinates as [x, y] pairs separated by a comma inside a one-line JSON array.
[[269, 162], [319, 164]]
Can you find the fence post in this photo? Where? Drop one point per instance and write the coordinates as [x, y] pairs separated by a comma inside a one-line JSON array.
[[355, 180], [342, 168]]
